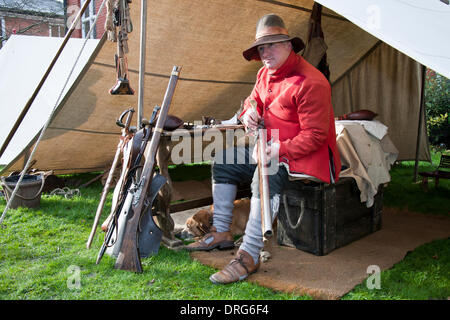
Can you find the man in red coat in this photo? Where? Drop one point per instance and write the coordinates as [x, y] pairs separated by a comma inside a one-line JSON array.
[[293, 100]]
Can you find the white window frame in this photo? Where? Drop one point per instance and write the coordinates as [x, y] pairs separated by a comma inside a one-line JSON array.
[[91, 18], [57, 28], [2, 30]]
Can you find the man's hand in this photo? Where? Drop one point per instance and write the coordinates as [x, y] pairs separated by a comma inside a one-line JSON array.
[[251, 118]]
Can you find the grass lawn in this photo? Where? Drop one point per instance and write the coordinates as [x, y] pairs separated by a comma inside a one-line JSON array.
[[43, 254], [403, 192]]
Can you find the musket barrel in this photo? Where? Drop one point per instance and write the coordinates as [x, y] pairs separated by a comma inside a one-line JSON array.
[[266, 215]]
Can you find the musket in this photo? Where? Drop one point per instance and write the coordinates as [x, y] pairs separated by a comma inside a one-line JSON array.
[[126, 136], [261, 145], [129, 257], [139, 143], [266, 215]]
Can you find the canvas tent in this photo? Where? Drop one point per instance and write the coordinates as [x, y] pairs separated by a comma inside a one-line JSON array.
[[207, 40], [21, 73]]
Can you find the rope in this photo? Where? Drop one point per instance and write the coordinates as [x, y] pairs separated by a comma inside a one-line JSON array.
[[25, 169], [66, 192]]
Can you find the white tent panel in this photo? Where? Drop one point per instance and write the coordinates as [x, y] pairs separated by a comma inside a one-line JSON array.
[[418, 28], [25, 59]]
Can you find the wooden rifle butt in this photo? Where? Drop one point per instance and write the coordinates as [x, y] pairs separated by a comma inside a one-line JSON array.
[[129, 258]]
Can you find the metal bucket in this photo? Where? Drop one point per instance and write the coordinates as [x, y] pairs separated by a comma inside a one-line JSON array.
[[28, 193]]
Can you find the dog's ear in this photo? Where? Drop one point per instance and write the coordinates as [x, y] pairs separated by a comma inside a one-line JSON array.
[[202, 216], [200, 223]]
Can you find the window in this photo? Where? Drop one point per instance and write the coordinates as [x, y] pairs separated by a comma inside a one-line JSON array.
[[54, 30], [87, 20], [2, 31]]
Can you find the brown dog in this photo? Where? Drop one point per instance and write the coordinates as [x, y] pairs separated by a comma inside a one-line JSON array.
[[200, 223]]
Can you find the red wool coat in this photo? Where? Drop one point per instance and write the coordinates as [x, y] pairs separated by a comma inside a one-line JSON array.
[[296, 100]]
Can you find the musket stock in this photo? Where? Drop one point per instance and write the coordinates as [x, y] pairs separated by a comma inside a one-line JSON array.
[[129, 257], [125, 133]]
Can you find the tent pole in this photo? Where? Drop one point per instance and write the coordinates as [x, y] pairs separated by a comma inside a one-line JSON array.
[[142, 62], [421, 120], [41, 83]]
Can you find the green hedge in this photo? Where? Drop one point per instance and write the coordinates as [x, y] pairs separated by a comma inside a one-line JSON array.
[[437, 102]]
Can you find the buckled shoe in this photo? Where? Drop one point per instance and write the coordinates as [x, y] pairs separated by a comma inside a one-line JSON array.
[[213, 240], [238, 269]]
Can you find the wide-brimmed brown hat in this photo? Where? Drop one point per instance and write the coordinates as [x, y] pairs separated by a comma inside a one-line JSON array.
[[270, 29]]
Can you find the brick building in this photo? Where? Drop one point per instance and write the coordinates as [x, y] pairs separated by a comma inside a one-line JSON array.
[[31, 17], [72, 8], [49, 18]]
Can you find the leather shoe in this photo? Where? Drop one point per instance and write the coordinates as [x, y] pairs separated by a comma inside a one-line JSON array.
[[238, 269], [213, 240]]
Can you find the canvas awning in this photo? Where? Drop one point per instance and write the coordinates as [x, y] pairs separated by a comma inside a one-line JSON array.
[[417, 28], [207, 41], [23, 61]]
